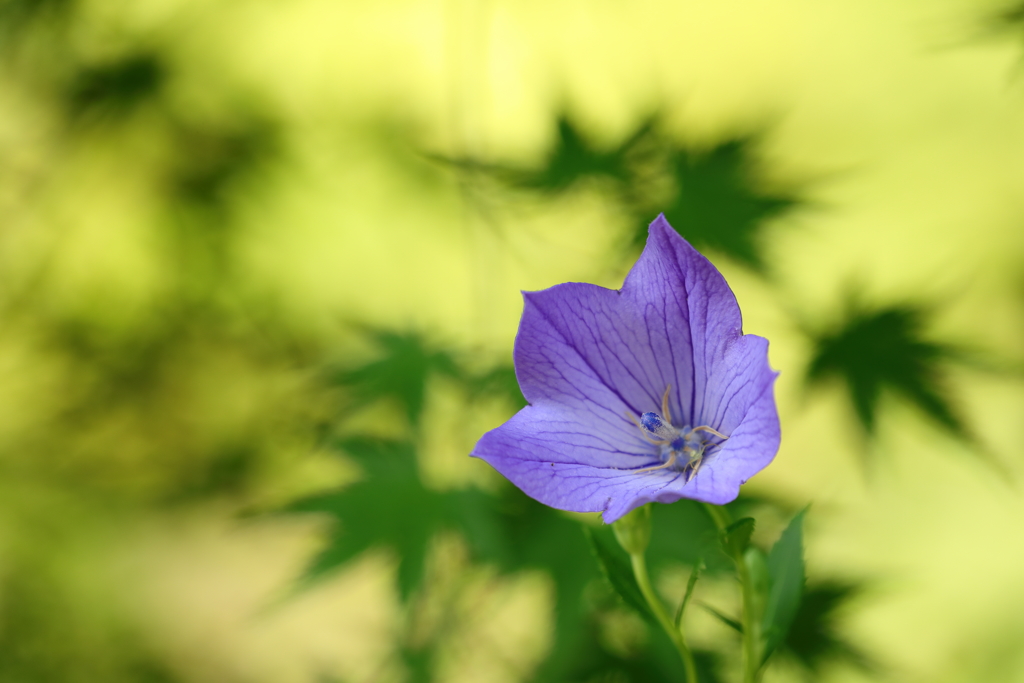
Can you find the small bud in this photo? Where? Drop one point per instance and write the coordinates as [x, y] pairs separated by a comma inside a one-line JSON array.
[[633, 531]]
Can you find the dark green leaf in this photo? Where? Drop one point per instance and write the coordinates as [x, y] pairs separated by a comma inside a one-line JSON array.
[[786, 574], [728, 621], [539, 537], [1009, 19], [391, 508], [400, 373], [736, 538], [619, 575], [500, 381], [682, 532], [716, 203], [573, 159], [813, 638], [220, 157], [874, 351], [690, 585], [760, 582], [117, 86], [657, 662]]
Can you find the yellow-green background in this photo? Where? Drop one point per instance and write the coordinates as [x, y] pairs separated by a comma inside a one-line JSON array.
[[121, 536]]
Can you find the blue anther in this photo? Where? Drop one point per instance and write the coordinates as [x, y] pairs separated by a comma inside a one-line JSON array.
[[651, 422]]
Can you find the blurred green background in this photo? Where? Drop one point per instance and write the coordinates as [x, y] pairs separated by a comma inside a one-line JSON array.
[[260, 265]]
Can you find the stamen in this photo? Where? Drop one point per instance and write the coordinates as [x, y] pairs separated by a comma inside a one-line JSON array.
[[677, 445], [653, 424], [705, 428], [669, 463], [664, 405], [643, 432]]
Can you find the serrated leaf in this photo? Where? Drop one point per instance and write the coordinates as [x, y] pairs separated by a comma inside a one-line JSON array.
[[786, 574], [619, 575], [400, 372], [813, 638], [539, 537], [736, 538], [875, 351], [391, 508], [574, 158], [717, 204]]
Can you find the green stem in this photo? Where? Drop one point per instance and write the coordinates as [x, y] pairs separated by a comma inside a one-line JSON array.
[[751, 629], [676, 634], [719, 515]]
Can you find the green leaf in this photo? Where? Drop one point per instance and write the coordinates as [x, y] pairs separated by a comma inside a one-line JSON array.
[[116, 87], [717, 203], [690, 585], [400, 372], [655, 662], [728, 621], [220, 158], [499, 381], [683, 532], [539, 537], [760, 582], [390, 508], [574, 159], [1007, 19], [571, 161], [736, 538], [786, 574], [619, 575], [813, 638], [875, 351]]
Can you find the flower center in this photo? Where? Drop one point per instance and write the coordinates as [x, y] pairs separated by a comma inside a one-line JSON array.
[[679, 449]]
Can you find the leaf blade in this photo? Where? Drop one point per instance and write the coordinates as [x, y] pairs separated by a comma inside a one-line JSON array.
[[787, 576], [619, 576]]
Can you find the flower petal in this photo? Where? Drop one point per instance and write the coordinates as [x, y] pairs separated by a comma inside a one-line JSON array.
[[587, 358], [544, 452]]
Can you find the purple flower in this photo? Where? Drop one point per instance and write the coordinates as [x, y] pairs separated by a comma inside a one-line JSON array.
[[648, 393]]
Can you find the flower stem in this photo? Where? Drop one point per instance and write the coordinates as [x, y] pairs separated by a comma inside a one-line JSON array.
[[675, 634], [719, 515], [751, 629]]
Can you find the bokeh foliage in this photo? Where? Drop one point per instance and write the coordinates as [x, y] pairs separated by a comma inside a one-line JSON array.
[[886, 350], [182, 382], [712, 195], [392, 508]]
